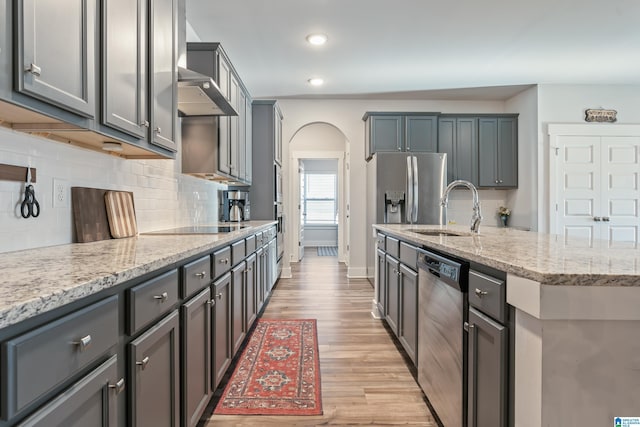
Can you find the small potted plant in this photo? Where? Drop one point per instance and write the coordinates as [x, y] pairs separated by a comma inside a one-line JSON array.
[[504, 213]]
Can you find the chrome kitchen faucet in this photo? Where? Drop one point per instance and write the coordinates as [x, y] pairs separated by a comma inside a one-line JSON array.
[[476, 217]]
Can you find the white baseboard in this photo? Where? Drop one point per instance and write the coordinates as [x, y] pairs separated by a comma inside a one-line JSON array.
[[314, 243], [286, 273], [357, 273]]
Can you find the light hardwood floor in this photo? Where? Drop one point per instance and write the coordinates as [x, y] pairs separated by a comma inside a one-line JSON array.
[[365, 380]]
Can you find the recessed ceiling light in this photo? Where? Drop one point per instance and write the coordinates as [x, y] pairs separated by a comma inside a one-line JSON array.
[[316, 81], [317, 39]]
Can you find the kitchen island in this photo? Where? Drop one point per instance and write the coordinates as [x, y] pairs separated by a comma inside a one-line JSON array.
[[577, 320]]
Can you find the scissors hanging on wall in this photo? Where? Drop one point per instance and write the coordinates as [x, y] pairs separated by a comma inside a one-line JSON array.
[[30, 206]]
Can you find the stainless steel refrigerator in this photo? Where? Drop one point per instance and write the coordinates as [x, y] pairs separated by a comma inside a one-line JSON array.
[[404, 188]]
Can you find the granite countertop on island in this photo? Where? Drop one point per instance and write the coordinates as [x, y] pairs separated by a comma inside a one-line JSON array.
[[35, 281], [544, 258]]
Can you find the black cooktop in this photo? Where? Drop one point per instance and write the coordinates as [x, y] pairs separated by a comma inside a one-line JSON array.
[[201, 229]]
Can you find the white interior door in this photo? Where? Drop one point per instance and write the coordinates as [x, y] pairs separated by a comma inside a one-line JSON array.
[[301, 213], [597, 188]]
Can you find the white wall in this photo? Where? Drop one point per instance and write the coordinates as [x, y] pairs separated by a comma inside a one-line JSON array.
[[163, 197], [346, 115], [566, 104]]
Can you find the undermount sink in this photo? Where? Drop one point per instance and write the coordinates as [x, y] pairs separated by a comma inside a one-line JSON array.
[[440, 232]]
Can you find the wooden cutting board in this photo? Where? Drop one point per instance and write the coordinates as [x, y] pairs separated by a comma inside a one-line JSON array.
[[121, 214], [89, 214]]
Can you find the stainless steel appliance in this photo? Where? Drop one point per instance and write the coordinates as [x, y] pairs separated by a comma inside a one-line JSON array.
[[404, 188], [442, 307], [235, 206]]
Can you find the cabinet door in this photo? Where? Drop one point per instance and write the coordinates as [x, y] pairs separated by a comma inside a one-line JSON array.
[[164, 72], [237, 306], [408, 328], [56, 52], [196, 357], [446, 144], [155, 374], [92, 401], [466, 149], [242, 135], [223, 75], [250, 308], [248, 140], [221, 328], [234, 130], [260, 263], [508, 152], [421, 134], [487, 367], [124, 85], [386, 133], [381, 278], [488, 152], [393, 293], [277, 137]]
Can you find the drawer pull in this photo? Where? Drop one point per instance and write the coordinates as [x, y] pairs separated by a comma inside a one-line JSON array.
[[84, 343], [480, 293], [118, 387], [201, 275], [224, 261], [143, 364], [162, 297]]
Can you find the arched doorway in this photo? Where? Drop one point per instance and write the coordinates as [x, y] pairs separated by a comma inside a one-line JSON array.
[[320, 145]]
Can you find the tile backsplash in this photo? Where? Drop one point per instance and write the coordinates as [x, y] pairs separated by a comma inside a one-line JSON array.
[[164, 198]]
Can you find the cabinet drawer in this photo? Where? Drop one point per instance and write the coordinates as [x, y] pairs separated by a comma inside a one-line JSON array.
[[393, 247], [196, 275], [150, 300], [259, 241], [44, 358], [409, 255], [221, 261], [251, 245], [381, 242], [237, 252], [487, 294]]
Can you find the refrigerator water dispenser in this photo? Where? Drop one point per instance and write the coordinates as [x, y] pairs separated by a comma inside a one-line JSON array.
[[394, 207]]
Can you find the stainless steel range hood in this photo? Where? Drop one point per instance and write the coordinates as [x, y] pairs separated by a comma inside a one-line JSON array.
[[199, 95]]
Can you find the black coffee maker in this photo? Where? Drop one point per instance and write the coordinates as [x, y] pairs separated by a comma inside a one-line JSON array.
[[235, 206]]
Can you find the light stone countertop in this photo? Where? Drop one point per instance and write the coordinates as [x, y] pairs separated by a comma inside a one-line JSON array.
[[35, 281], [541, 257]]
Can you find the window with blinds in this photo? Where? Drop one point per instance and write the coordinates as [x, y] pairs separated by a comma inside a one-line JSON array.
[[320, 199]]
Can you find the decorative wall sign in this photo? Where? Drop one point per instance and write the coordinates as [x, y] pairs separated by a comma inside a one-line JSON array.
[[601, 116]]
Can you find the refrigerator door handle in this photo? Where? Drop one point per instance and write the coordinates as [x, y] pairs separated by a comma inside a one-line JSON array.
[[409, 201], [414, 207]]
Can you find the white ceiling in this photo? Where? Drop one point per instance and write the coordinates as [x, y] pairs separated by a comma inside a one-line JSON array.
[[416, 49]]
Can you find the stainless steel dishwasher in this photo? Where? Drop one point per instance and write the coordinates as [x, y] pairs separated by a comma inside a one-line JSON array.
[[442, 308]]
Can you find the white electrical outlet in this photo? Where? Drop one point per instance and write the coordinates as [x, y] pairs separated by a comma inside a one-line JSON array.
[[60, 193]]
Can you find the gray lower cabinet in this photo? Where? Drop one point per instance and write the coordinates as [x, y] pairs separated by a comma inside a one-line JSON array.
[[196, 357], [238, 282], [408, 327], [260, 272], [250, 308], [498, 152], [154, 386], [381, 297], [392, 314], [458, 138], [56, 53], [92, 401], [163, 49], [221, 328], [487, 371]]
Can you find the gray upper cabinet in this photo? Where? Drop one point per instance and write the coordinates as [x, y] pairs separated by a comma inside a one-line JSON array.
[[498, 152], [163, 49], [249, 141], [56, 53], [389, 132], [125, 78], [234, 127], [458, 137]]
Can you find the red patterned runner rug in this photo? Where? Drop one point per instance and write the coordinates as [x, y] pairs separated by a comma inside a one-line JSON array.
[[278, 372]]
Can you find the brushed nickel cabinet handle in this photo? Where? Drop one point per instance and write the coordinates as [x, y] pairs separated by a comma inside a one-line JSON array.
[[201, 275], [162, 297], [211, 302], [219, 296], [33, 69], [84, 343], [480, 293], [145, 124], [143, 364], [158, 129], [118, 387]]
